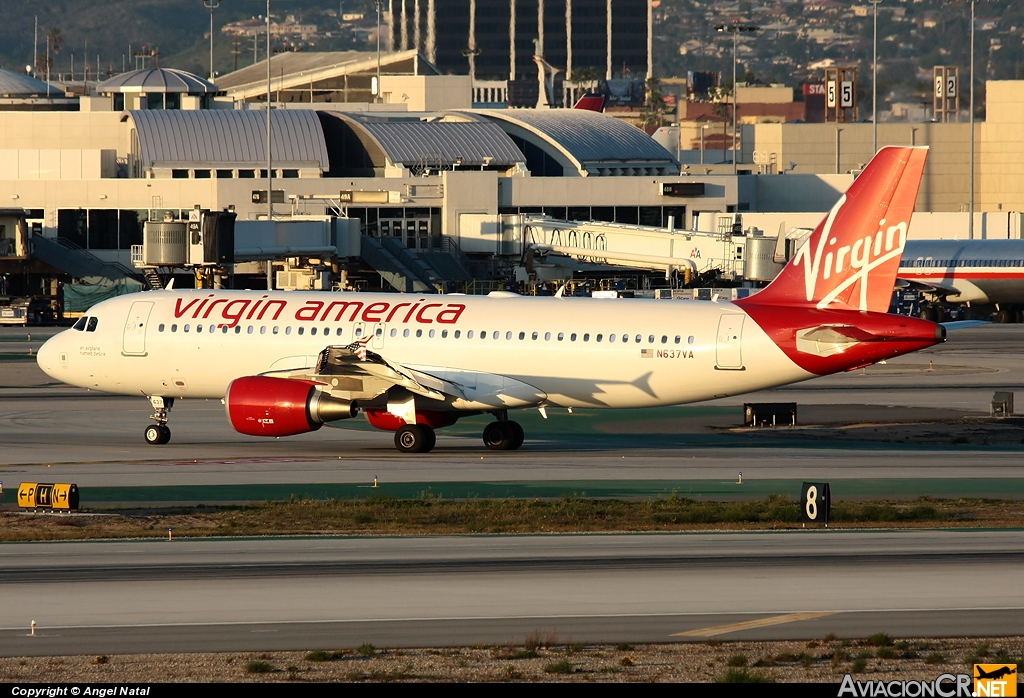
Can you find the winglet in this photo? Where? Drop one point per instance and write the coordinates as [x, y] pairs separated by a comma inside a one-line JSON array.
[[170, 285]]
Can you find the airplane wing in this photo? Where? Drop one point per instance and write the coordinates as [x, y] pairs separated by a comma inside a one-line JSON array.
[[353, 372]]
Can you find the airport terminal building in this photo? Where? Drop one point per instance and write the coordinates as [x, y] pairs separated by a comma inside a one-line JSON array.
[[422, 190]]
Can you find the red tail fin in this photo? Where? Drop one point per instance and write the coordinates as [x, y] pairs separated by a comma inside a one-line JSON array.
[[850, 260], [590, 102]]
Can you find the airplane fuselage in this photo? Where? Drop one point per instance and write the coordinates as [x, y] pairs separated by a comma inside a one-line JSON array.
[[574, 352]]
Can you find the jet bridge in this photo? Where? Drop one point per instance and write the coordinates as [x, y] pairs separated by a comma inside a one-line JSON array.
[[737, 255]]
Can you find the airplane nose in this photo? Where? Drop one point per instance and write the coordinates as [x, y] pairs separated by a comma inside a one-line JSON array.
[[48, 357]]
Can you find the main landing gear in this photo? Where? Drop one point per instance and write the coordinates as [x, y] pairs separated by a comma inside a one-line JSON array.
[[415, 438], [503, 435], [159, 433]]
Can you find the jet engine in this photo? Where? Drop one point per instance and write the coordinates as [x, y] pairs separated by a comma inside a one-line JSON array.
[[265, 406]]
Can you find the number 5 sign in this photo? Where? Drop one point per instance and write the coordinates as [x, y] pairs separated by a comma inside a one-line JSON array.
[[815, 503]]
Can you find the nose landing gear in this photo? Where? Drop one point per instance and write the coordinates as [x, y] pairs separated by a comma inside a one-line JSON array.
[[159, 433]]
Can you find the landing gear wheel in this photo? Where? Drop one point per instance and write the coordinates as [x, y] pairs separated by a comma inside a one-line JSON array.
[[518, 435], [498, 436], [411, 438], [431, 437], [1005, 316], [157, 434]]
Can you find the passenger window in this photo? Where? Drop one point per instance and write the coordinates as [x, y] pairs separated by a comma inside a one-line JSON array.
[[495, 335], [91, 327], [263, 329], [174, 328], [639, 339], [508, 335], [572, 337], [534, 335], [469, 335], [419, 333], [547, 336], [250, 329], [689, 340], [276, 329], [185, 328], [586, 338], [288, 330], [224, 329], [625, 339], [160, 328], [405, 333], [199, 328], [338, 332], [431, 334], [458, 333], [80, 325], [678, 338], [522, 336], [379, 332], [611, 338], [359, 332], [394, 332], [483, 335], [650, 339], [561, 336], [444, 334], [664, 339], [598, 338], [312, 331], [213, 328], [238, 329], [302, 330]]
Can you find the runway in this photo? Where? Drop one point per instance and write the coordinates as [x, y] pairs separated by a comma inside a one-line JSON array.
[[276, 594]]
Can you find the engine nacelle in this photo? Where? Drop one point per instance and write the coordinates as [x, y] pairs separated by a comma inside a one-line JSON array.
[[265, 406]]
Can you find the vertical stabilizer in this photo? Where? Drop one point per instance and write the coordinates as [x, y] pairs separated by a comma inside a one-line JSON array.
[[850, 260]]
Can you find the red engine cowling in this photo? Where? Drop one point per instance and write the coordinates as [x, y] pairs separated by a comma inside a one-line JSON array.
[[265, 406]]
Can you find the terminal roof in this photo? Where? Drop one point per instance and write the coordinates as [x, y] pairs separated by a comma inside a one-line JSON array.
[[229, 137]]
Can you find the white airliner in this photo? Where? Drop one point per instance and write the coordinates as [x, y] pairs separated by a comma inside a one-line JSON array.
[[985, 273], [287, 362]]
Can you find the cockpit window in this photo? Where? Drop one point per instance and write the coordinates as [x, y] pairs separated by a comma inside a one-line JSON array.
[[80, 325], [92, 325]]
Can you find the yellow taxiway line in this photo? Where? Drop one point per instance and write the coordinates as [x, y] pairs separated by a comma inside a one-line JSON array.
[[759, 623]]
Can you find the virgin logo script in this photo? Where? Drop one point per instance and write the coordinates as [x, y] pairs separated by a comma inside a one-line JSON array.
[[849, 264], [234, 310]]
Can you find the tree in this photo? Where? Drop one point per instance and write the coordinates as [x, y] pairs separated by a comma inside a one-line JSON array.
[[56, 40], [586, 74], [653, 113]]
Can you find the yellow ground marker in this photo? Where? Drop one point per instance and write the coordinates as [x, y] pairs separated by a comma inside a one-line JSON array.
[[759, 623]]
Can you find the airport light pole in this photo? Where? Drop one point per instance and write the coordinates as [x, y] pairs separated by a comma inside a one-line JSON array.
[[211, 5], [377, 4], [970, 204], [270, 161], [874, 77], [735, 28], [702, 129]]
